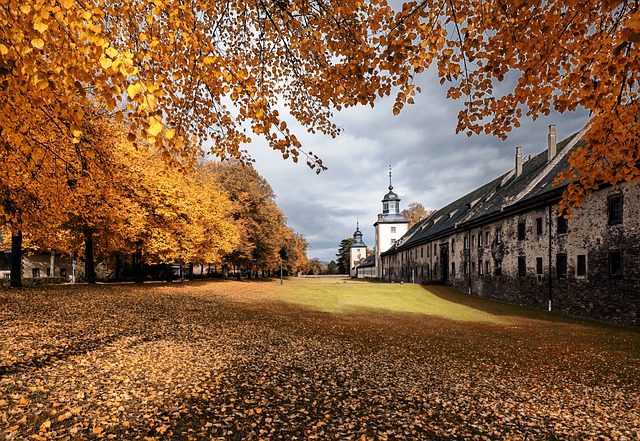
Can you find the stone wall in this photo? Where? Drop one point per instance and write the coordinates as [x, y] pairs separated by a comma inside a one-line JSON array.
[[597, 293]]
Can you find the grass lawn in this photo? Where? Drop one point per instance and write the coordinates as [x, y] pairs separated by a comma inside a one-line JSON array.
[[309, 359]]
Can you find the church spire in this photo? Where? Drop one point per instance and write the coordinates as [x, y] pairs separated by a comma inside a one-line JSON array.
[[391, 201], [390, 186]]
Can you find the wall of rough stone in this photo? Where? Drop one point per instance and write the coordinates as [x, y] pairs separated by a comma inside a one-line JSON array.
[[595, 295]]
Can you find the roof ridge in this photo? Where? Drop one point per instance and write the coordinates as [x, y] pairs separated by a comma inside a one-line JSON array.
[[549, 167]]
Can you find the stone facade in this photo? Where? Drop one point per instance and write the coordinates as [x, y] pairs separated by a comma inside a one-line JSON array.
[[504, 241]]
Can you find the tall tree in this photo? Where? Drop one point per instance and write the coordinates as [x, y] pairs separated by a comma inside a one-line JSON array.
[[172, 67], [343, 255], [415, 212]]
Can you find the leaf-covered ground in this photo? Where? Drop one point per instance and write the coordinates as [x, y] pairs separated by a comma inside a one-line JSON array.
[[232, 360]]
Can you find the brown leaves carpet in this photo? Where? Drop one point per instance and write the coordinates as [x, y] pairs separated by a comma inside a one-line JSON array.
[[211, 361]]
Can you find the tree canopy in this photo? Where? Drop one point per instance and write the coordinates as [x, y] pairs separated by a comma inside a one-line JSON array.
[[185, 75]]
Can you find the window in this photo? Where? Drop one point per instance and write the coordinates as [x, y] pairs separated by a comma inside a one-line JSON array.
[[466, 243], [35, 272], [393, 229], [539, 266], [563, 225], [581, 268], [615, 265], [453, 246], [473, 267], [63, 272], [473, 241], [561, 265], [453, 268], [498, 269], [522, 266], [615, 209], [498, 235], [435, 249], [48, 271], [393, 241], [428, 271], [538, 226], [522, 231], [480, 239], [487, 267], [466, 268], [486, 238], [480, 267], [421, 252]]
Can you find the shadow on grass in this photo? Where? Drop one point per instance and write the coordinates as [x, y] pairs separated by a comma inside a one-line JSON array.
[[500, 308]]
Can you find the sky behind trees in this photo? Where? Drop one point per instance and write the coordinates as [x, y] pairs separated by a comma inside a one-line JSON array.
[[431, 164]]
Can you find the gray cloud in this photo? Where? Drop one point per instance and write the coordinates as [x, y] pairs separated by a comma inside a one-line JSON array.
[[431, 164]]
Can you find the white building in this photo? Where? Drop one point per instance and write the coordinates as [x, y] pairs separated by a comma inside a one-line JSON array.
[[390, 226]]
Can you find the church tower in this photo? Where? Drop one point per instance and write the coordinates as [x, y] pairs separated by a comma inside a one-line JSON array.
[[391, 225], [357, 251]]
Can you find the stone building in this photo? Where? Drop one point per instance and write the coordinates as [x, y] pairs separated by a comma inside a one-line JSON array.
[[505, 241]]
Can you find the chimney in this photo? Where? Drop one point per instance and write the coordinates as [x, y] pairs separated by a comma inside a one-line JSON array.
[[518, 161], [551, 151]]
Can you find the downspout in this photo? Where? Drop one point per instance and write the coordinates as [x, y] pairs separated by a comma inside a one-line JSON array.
[[469, 259], [550, 274]]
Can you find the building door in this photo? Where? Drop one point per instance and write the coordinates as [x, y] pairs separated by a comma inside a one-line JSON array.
[[444, 262]]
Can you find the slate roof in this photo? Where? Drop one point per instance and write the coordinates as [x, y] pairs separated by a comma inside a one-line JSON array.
[[368, 261], [505, 194]]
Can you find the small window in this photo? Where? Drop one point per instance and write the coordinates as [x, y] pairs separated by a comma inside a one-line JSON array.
[[465, 268], [473, 241], [498, 235], [522, 231], [63, 272], [480, 270], [473, 267], [428, 250], [466, 243], [498, 269], [35, 272], [561, 265], [486, 238], [48, 271], [453, 268], [435, 249], [393, 229], [581, 268], [563, 225], [480, 240], [453, 246], [615, 209], [615, 265], [487, 267], [538, 226], [421, 252], [522, 266], [539, 266], [393, 241]]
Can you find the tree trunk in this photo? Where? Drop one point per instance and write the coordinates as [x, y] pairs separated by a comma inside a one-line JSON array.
[[191, 271], [118, 270], [16, 259], [138, 267], [89, 264], [168, 272]]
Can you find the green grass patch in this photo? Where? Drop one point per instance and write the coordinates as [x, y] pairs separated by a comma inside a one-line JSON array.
[[349, 296]]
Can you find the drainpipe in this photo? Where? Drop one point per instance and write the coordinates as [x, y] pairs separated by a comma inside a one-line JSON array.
[[469, 259], [550, 274]]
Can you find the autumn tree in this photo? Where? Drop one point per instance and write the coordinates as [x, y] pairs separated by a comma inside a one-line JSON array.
[[294, 254], [261, 224], [316, 267], [415, 212], [188, 75]]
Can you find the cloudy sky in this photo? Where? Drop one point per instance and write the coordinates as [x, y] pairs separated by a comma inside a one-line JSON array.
[[431, 164]]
